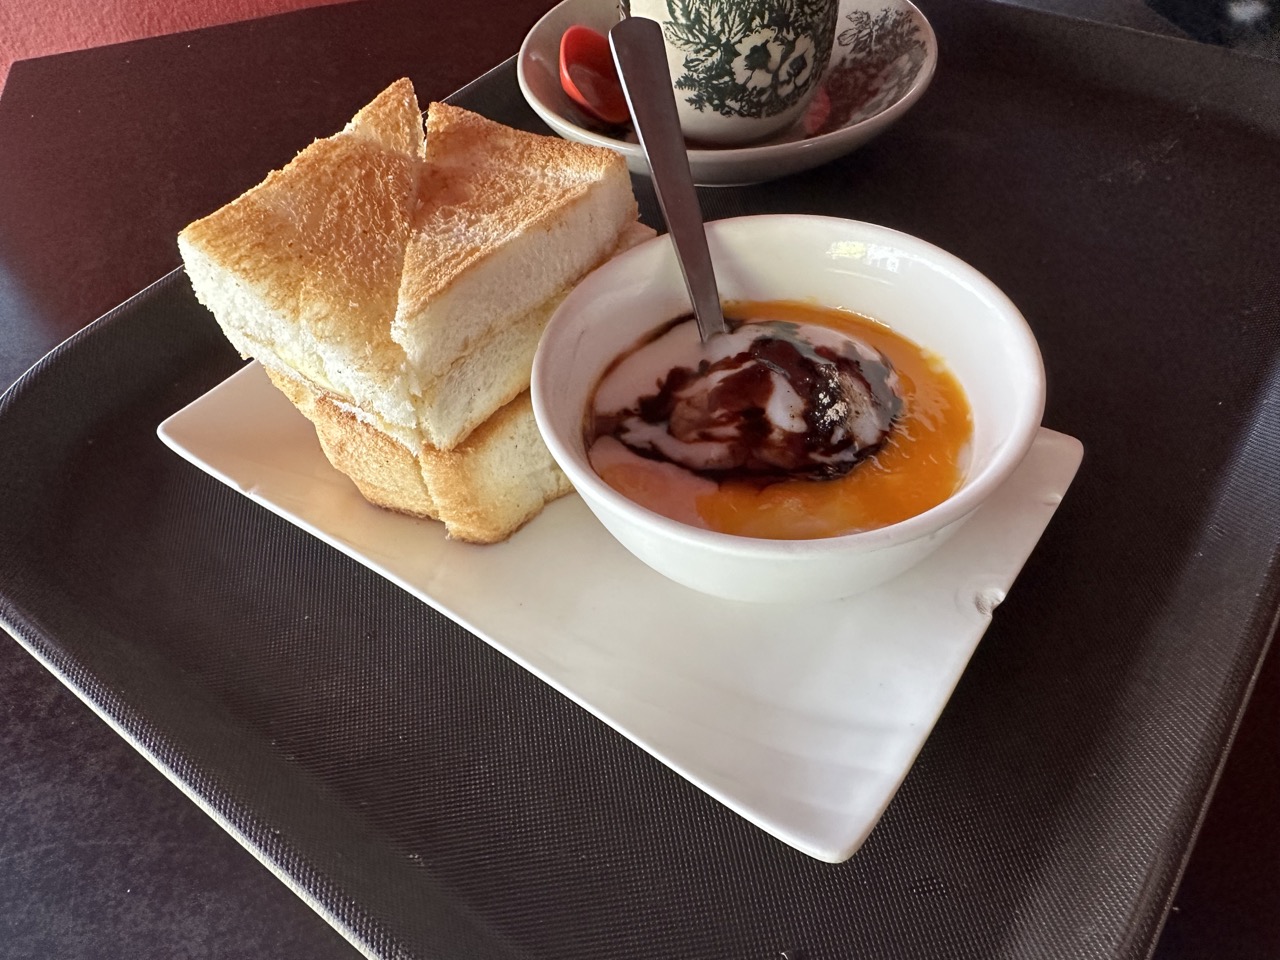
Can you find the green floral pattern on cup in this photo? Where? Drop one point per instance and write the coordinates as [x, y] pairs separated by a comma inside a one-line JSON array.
[[776, 60]]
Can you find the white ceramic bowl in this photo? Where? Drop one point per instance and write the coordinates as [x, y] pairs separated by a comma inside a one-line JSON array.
[[883, 59], [924, 293]]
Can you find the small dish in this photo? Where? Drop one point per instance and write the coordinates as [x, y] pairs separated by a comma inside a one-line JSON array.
[[921, 292], [883, 60]]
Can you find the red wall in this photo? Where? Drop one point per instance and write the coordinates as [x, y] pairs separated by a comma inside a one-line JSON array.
[[33, 28]]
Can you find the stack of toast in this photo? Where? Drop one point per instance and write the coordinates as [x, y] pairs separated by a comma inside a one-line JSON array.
[[394, 286]]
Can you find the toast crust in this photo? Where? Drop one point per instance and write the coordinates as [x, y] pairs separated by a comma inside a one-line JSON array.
[[392, 120], [384, 471], [483, 490], [497, 480]]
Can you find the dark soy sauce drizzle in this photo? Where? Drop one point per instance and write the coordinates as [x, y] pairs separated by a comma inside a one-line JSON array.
[[849, 407]]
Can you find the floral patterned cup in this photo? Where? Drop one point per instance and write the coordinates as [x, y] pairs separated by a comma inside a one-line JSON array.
[[742, 69]]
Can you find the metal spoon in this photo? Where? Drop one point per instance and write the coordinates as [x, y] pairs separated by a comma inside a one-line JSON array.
[[641, 57]]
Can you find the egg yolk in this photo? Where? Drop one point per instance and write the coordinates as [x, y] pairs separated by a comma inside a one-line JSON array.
[[918, 467]]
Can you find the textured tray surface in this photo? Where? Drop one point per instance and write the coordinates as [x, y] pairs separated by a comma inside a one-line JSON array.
[[435, 800]]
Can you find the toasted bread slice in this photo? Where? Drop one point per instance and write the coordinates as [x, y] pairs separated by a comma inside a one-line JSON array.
[[497, 479], [303, 271], [496, 369], [485, 485], [484, 489], [505, 219], [382, 467], [315, 270]]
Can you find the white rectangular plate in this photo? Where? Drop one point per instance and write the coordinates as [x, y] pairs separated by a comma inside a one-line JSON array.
[[803, 719]]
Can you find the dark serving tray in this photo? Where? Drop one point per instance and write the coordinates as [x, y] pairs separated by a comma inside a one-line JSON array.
[[430, 798]]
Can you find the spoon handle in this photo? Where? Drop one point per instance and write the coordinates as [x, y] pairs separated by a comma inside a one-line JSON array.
[[641, 57]]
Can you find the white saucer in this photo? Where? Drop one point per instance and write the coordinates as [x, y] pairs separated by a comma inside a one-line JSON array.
[[884, 58], [803, 719]]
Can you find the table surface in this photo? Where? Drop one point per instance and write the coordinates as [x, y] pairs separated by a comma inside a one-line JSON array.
[[101, 855]]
